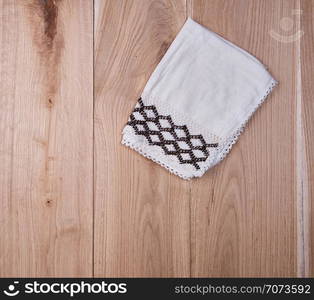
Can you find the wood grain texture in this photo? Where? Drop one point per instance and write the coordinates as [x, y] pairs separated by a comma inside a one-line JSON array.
[[46, 128], [141, 211], [75, 202], [243, 217], [244, 220], [307, 131]]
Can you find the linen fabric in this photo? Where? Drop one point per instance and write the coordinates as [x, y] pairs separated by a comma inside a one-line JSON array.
[[197, 102]]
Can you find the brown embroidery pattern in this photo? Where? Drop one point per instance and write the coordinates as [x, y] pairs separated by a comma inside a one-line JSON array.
[[173, 139]]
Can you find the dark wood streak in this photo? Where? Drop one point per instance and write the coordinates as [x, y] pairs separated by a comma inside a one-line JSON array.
[[163, 49], [48, 38], [43, 16], [50, 14]]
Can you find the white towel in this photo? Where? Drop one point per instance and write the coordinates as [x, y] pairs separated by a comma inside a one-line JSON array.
[[197, 102]]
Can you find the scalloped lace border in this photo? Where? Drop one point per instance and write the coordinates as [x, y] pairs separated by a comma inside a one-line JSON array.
[[137, 147]]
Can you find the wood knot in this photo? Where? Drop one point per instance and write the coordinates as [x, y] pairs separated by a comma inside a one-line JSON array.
[[49, 202], [50, 103]]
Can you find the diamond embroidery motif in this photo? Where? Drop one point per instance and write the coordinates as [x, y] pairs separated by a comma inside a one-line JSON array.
[[174, 140]]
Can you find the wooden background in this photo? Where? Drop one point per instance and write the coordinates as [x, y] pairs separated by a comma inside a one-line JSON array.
[[75, 202]]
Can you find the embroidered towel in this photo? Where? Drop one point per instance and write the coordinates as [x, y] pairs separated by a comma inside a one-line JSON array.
[[197, 102]]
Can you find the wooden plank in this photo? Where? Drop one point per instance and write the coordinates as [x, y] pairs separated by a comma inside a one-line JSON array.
[[244, 210], [46, 132], [307, 133], [141, 211]]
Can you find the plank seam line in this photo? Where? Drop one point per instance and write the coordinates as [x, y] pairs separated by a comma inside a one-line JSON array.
[[93, 152]]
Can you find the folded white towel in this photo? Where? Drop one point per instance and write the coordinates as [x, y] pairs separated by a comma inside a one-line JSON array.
[[197, 102]]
